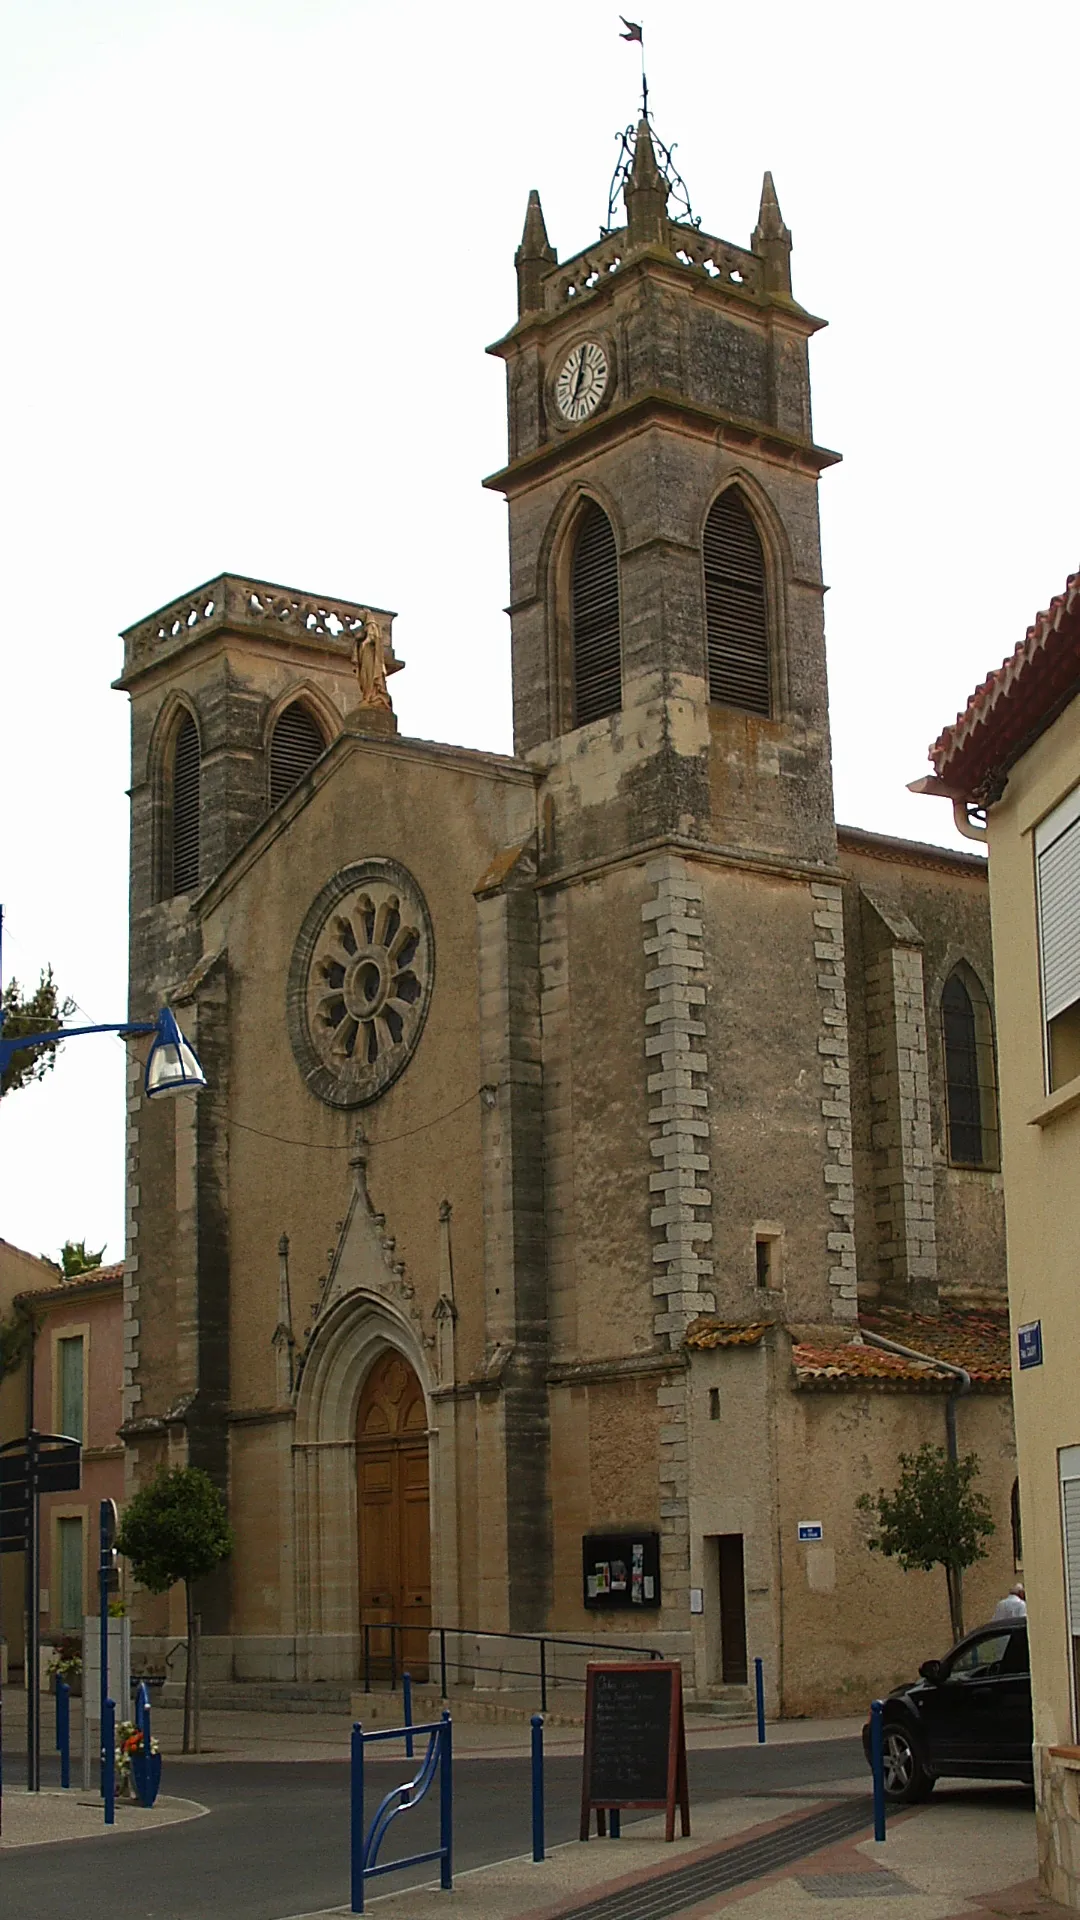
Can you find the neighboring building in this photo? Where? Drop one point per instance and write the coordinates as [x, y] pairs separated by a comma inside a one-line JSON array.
[[71, 1372], [1013, 760], [661, 1075], [17, 1271], [76, 1366]]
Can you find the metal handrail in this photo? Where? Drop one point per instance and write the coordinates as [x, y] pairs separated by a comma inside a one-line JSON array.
[[542, 1641]]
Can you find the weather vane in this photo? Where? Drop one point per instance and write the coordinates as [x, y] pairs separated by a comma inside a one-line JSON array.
[[676, 185], [635, 32]]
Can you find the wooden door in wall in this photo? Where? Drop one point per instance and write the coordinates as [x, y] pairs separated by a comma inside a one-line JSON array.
[[392, 1505]]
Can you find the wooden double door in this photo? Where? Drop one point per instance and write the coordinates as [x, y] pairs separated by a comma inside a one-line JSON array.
[[392, 1508]]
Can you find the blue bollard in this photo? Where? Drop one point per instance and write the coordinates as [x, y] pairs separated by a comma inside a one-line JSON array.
[[108, 1760], [63, 1730], [446, 1808], [406, 1688], [615, 1824], [538, 1785], [356, 1819], [759, 1689], [877, 1763]]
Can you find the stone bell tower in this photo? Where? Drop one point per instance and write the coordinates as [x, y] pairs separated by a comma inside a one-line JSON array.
[[670, 688], [651, 376]]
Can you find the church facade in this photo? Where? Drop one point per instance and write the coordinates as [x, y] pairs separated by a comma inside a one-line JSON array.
[[577, 1121]]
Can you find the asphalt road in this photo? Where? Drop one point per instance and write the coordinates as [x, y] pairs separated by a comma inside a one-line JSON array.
[[276, 1842]]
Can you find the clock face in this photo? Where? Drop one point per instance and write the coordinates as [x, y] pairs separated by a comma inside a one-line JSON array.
[[582, 381]]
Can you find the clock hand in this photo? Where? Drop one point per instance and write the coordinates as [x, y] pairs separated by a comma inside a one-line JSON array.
[[580, 374]]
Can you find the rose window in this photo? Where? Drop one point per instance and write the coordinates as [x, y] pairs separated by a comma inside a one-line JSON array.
[[360, 982]]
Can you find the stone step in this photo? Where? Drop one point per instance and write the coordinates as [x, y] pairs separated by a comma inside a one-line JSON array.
[[264, 1696], [724, 1703]]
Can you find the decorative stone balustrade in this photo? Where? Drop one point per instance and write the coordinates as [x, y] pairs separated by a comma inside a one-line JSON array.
[[585, 271], [247, 606], [715, 259]]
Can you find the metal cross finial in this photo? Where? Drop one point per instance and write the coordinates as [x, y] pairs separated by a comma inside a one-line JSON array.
[[678, 191]]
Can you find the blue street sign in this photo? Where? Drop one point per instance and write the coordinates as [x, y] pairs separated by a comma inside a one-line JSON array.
[[811, 1530], [1029, 1343]]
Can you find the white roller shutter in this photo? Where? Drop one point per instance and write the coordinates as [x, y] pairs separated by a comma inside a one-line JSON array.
[[1057, 854], [1070, 1516]]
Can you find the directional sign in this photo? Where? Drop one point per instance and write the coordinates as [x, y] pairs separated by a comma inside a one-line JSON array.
[[39, 1462]]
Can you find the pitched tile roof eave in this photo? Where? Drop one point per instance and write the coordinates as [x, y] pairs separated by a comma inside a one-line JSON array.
[[1014, 703]]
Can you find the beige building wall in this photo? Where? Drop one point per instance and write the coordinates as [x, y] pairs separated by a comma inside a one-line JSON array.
[[1041, 1151]]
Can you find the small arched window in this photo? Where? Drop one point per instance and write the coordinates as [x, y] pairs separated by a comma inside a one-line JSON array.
[[736, 606], [594, 619], [185, 807], [295, 745], [970, 1081]]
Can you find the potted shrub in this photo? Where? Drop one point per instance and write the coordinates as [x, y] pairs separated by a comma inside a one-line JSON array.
[[66, 1664]]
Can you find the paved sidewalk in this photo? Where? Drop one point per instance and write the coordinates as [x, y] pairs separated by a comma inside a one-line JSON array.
[[970, 1853], [574, 1873], [970, 1850], [38, 1819]]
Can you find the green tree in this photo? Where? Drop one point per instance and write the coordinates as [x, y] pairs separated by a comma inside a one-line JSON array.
[[39, 1012], [75, 1260], [934, 1517], [16, 1335], [175, 1528]]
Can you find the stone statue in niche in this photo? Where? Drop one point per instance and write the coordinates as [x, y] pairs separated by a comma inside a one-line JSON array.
[[372, 665]]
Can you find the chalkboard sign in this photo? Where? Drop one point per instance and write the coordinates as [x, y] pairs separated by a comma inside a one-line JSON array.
[[635, 1743]]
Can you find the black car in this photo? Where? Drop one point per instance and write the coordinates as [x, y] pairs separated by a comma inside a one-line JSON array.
[[969, 1714]]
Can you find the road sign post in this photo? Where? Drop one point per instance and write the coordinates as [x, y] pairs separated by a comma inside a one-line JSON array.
[[108, 1581], [35, 1464]]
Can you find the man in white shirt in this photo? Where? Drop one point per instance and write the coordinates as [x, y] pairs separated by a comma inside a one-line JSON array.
[[1014, 1605]]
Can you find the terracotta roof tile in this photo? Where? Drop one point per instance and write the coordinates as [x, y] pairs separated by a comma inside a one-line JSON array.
[[81, 1283], [709, 1331], [978, 1342], [1014, 703]]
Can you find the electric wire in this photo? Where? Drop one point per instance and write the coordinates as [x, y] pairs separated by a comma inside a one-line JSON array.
[[322, 1146]]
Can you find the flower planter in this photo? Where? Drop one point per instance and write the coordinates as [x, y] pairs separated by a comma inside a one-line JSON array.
[[146, 1777]]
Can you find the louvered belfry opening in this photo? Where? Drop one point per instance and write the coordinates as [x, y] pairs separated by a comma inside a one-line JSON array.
[[736, 607], [185, 808], [594, 619], [295, 745]]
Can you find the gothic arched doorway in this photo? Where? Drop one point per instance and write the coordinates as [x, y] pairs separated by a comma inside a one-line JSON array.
[[392, 1511]]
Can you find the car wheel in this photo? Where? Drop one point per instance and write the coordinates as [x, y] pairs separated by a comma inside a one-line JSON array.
[[906, 1777]]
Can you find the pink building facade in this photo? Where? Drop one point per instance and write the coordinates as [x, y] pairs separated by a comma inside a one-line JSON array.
[[76, 1369]]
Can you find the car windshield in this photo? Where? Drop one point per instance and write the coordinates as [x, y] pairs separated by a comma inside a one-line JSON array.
[[982, 1656]]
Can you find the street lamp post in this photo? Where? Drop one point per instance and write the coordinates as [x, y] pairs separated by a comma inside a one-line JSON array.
[[172, 1067]]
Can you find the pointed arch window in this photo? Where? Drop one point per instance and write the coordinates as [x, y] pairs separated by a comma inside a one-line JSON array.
[[970, 1079], [594, 619], [186, 798], [295, 745], [736, 606]]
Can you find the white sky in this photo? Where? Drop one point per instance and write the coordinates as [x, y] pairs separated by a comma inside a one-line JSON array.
[[254, 252]]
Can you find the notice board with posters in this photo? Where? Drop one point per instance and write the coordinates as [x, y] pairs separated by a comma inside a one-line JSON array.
[[620, 1571], [635, 1743]]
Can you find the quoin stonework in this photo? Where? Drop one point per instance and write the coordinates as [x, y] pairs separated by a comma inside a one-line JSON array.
[[572, 1115]]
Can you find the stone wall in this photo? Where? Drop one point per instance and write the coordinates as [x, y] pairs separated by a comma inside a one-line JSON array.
[[836, 1624]]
